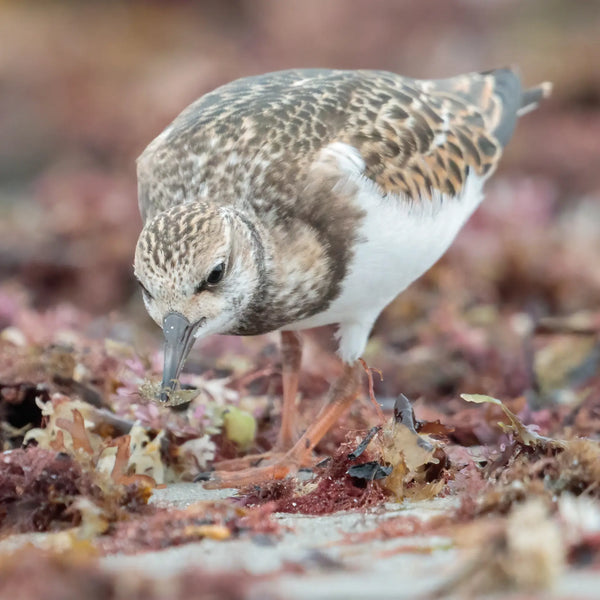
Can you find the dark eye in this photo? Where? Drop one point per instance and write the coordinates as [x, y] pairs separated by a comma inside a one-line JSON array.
[[216, 274], [213, 278]]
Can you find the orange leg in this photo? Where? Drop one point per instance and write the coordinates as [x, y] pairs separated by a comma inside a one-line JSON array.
[[291, 356], [341, 395]]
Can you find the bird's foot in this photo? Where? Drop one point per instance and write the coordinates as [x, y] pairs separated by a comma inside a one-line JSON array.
[[275, 465], [256, 469], [247, 462], [281, 448]]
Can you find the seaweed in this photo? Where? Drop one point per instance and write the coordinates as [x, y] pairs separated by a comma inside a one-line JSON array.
[[40, 490]]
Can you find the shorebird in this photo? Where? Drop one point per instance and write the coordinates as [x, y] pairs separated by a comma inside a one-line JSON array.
[[304, 198]]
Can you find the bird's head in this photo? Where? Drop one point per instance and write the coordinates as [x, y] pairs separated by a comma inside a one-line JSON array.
[[197, 269]]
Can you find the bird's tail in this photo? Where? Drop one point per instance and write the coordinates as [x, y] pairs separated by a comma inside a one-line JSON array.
[[531, 97]]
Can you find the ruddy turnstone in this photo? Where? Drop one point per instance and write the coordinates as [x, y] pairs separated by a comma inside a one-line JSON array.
[[311, 197]]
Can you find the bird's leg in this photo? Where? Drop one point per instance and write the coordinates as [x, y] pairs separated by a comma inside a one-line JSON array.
[[339, 399], [341, 395], [291, 356]]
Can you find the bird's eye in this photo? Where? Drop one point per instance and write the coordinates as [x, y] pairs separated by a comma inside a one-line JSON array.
[[213, 278], [216, 274]]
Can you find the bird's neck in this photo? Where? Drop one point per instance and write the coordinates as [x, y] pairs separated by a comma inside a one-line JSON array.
[[291, 266]]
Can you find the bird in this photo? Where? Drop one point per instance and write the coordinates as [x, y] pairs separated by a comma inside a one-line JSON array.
[[311, 197]]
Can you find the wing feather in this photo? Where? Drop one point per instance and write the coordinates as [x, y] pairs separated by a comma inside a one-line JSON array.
[[254, 140]]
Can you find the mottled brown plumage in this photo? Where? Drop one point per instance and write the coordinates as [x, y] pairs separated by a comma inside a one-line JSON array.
[[254, 139]]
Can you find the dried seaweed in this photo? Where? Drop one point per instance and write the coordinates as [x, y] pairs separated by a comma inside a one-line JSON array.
[[40, 491], [166, 527], [131, 452], [522, 433], [417, 462], [364, 443], [371, 471], [333, 489]]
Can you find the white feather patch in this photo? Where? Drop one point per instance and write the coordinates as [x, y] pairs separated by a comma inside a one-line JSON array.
[[399, 240]]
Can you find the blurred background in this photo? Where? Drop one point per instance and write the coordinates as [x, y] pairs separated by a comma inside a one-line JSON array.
[[84, 86]]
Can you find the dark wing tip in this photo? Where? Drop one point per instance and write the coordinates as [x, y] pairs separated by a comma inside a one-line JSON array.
[[531, 97], [507, 88], [515, 101]]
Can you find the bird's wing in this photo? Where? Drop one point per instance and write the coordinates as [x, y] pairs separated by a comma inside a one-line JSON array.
[[257, 133], [256, 138], [419, 137]]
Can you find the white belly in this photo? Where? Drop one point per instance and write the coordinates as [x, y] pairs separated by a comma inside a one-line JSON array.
[[398, 242]]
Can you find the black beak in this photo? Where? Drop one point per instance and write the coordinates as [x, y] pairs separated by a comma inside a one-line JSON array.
[[179, 339]]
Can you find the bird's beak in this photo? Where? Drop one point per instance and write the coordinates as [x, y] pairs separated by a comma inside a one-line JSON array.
[[179, 339]]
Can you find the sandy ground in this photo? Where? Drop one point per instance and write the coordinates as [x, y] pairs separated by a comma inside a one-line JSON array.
[[410, 567], [313, 560]]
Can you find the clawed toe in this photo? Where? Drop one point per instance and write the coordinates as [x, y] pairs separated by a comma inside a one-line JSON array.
[[256, 469], [245, 462], [250, 476]]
